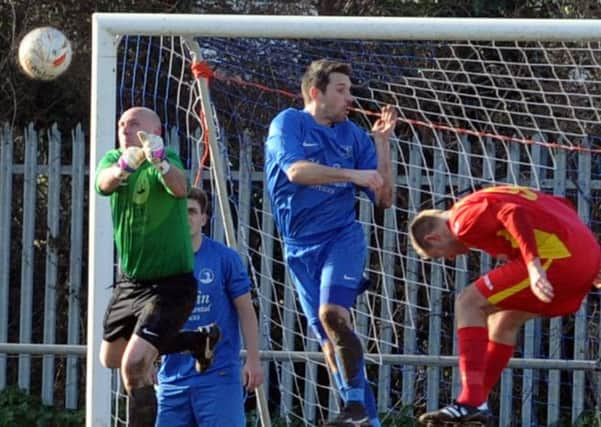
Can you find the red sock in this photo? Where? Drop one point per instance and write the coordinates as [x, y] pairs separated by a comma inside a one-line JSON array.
[[497, 357], [472, 348]]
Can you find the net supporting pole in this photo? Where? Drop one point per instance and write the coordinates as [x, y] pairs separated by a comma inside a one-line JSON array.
[[217, 164]]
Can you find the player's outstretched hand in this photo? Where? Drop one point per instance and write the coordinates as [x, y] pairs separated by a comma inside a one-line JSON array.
[[540, 285], [384, 126], [252, 374], [130, 160], [154, 150]]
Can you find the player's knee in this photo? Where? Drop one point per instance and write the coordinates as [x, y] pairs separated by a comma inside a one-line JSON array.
[[342, 337], [505, 326], [330, 320], [469, 299], [133, 368], [331, 317], [135, 372]]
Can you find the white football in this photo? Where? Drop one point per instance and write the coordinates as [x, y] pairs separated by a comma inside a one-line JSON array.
[[45, 53]]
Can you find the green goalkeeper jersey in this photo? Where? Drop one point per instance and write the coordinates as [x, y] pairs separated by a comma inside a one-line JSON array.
[[150, 225]]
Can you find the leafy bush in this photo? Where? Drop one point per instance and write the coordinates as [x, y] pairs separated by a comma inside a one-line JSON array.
[[19, 409]]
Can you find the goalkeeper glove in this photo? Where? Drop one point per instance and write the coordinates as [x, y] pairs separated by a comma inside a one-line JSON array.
[[154, 150], [130, 160]]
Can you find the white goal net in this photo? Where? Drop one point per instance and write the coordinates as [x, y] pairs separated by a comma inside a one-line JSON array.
[[476, 108]]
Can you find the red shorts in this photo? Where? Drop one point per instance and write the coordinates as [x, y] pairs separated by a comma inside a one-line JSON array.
[[508, 286]]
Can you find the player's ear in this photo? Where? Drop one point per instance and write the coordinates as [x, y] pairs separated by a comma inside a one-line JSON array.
[[432, 238], [314, 92], [204, 217]]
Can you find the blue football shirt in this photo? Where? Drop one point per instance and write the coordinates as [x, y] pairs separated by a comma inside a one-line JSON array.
[[310, 213], [221, 279]]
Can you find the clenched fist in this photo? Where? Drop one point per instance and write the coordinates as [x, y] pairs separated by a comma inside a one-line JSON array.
[[154, 150]]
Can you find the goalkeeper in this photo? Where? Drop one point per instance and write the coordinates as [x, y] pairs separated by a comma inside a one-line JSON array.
[[315, 161], [156, 291]]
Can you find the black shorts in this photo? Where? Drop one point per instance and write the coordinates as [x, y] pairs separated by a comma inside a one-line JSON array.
[[154, 310]]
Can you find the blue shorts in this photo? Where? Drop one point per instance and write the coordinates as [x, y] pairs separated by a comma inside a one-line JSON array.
[[330, 272], [217, 405]]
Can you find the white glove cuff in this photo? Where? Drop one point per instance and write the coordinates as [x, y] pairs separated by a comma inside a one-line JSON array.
[[121, 174], [163, 166]]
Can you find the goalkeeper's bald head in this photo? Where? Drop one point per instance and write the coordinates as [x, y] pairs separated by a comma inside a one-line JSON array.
[[134, 120]]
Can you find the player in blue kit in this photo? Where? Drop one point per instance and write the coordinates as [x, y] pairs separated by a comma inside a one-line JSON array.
[[215, 397], [315, 161]]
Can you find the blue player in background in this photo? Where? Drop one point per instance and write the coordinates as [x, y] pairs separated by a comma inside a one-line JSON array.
[[214, 398], [315, 161]]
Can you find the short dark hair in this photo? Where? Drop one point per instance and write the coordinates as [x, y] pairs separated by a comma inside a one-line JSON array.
[[201, 197], [318, 75]]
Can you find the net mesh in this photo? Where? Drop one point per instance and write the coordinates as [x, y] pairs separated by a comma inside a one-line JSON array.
[[471, 114]]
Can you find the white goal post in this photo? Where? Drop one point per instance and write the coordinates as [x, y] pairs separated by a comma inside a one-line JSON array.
[[107, 30]]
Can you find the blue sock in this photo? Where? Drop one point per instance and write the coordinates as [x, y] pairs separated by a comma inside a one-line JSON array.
[[353, 388], [369, 399], [370, 405], [339, 385]]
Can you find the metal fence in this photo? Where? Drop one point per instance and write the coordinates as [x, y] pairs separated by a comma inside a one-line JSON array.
[[43, 193], [42, 294]]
